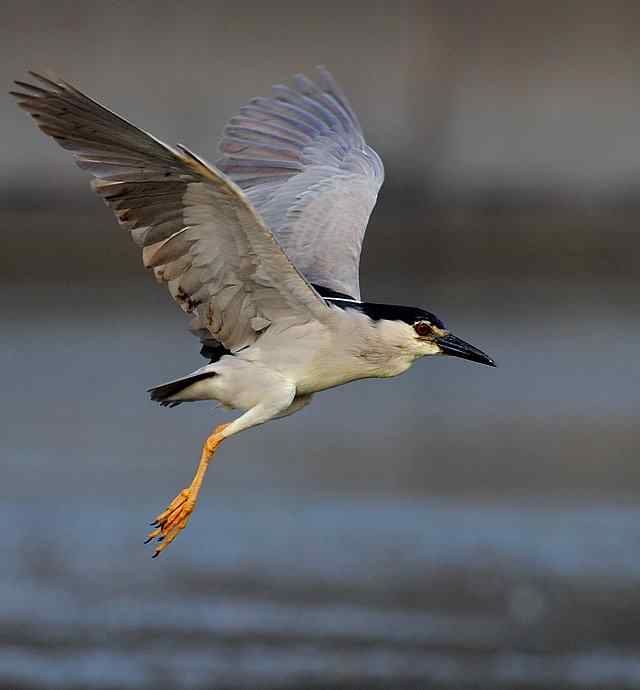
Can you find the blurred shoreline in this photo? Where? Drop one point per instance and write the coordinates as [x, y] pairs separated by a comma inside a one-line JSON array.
[[492, 243]]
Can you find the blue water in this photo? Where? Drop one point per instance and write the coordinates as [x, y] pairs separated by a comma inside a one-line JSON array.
[[278, 590]]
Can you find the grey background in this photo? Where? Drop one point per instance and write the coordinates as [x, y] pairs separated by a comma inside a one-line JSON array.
[[458, 526]]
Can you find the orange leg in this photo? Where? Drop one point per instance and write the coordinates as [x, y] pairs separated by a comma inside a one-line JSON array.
[[175, 518]]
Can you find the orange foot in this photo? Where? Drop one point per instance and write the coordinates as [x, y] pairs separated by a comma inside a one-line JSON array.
[[175, 518]]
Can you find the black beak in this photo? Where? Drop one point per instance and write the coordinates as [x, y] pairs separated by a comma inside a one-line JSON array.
[[450, 345]]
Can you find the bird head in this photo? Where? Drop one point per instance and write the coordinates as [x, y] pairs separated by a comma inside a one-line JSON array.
[[412, 331], [419, 333], [427, 335]]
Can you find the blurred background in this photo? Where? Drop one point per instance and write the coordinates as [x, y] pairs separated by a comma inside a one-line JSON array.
[[459, 527]]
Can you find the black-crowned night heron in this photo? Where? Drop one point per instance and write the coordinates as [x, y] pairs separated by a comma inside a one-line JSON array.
[[262, 249]]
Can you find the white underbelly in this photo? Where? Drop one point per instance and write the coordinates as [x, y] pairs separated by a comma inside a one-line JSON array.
[[235, 383], [313, 366]]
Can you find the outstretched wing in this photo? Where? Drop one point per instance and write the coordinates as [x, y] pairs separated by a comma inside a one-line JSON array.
[[301, 159], [196, 228]]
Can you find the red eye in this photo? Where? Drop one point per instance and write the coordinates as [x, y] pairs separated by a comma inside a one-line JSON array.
[[422, 328]]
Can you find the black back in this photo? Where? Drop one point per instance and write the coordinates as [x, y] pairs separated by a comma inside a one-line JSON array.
[[379, 312]]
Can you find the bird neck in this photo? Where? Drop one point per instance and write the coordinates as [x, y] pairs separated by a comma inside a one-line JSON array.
[[382, 347]]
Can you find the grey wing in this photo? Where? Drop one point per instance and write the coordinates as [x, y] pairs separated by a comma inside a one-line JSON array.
[[197, 230], [301, 158]]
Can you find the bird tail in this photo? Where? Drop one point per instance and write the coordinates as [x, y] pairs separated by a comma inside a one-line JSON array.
[[166, 393]]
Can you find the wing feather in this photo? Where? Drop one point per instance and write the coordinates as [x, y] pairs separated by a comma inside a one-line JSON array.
[[302, 160], [197, 229]]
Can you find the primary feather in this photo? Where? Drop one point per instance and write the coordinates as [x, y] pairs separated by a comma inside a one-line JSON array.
[[197, 229]]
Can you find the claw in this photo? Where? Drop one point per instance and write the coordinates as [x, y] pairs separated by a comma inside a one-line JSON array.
[[172, 521], [167, 539], [153, 534]]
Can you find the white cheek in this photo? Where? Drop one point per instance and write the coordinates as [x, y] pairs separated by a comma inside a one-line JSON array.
[[427, 347]]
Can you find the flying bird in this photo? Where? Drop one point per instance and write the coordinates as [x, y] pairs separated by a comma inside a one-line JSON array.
[[262, 250]]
